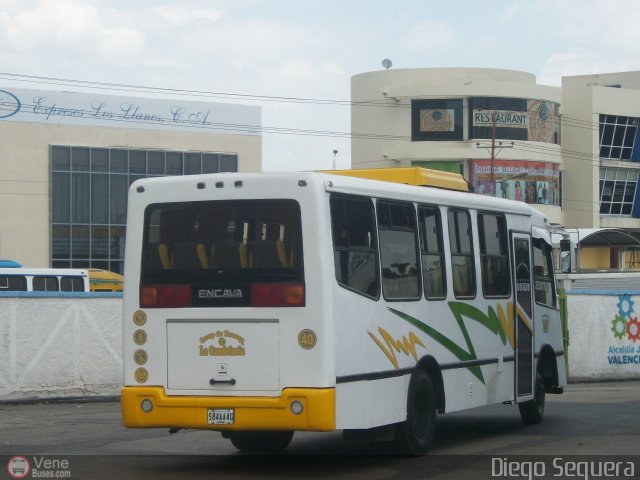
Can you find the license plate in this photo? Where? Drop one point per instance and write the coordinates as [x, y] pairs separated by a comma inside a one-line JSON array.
[[220, 416]]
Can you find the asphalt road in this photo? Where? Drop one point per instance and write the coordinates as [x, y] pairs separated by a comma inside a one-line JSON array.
[[587, 420]]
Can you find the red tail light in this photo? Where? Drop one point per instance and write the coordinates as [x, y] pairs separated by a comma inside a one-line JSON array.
[[277, 295], [165, 296]]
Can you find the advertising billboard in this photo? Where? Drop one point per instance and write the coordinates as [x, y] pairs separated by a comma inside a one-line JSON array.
[[530, 182], [515, 119], [436, 119]]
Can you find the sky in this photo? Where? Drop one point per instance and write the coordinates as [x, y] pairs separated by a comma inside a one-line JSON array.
[[304, 49]]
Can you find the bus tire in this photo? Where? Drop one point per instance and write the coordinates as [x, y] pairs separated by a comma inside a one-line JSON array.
[[414, 436], [261, 442], [532, 412]]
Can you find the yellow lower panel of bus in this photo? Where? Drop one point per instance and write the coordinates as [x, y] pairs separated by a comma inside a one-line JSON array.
[[249, 413]]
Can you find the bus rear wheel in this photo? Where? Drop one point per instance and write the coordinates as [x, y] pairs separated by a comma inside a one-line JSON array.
[[414, 436], [260, 442], [532, 411]]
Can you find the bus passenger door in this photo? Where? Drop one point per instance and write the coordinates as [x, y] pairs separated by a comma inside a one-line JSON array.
[[523, 312]]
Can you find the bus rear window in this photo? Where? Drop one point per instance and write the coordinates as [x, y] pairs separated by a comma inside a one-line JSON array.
[[222, 248]]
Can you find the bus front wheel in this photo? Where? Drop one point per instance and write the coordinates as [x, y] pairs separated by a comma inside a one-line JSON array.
[[414, 436], [260, 442]]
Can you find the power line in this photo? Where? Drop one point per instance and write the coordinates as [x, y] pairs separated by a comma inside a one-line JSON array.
[[562, 121], [177, 91], [528, 147], [387, 102], [548, 150], [232, 127]]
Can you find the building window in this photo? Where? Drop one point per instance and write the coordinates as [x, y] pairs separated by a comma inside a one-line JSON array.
[[617, 137], [617, 190], [89, 197]]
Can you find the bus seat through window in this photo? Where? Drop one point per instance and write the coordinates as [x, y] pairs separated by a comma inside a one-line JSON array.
[[269, 252], [163, 253], [228, 255], [184, 255], [202, 255], [433, 280], [280, 248], [264, 254]]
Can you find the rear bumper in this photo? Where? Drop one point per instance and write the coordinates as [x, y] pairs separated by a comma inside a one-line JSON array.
[[251, 413]]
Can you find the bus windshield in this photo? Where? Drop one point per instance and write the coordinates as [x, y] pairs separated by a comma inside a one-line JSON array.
[[226, 244]]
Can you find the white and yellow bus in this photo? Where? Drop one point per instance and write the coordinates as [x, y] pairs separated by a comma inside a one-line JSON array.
[[15, 278], [262, 304], [19, 279]]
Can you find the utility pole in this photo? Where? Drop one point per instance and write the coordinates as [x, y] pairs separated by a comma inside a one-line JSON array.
[[492, 149]]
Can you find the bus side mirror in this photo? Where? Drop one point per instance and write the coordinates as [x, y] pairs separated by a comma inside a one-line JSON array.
[[565, 256]]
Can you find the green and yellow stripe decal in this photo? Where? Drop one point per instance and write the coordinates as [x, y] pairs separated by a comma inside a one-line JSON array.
[[500, 324]]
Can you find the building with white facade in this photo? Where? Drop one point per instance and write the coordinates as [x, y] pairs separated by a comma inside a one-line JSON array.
[[67, 160], [572, 151]]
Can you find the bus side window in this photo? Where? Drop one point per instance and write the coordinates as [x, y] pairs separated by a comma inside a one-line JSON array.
[[71, 284], [354, 244], [398, 251], [543, 273], [45, 284], [15, 283], [461, 242], [433, 266], [494, 255]]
